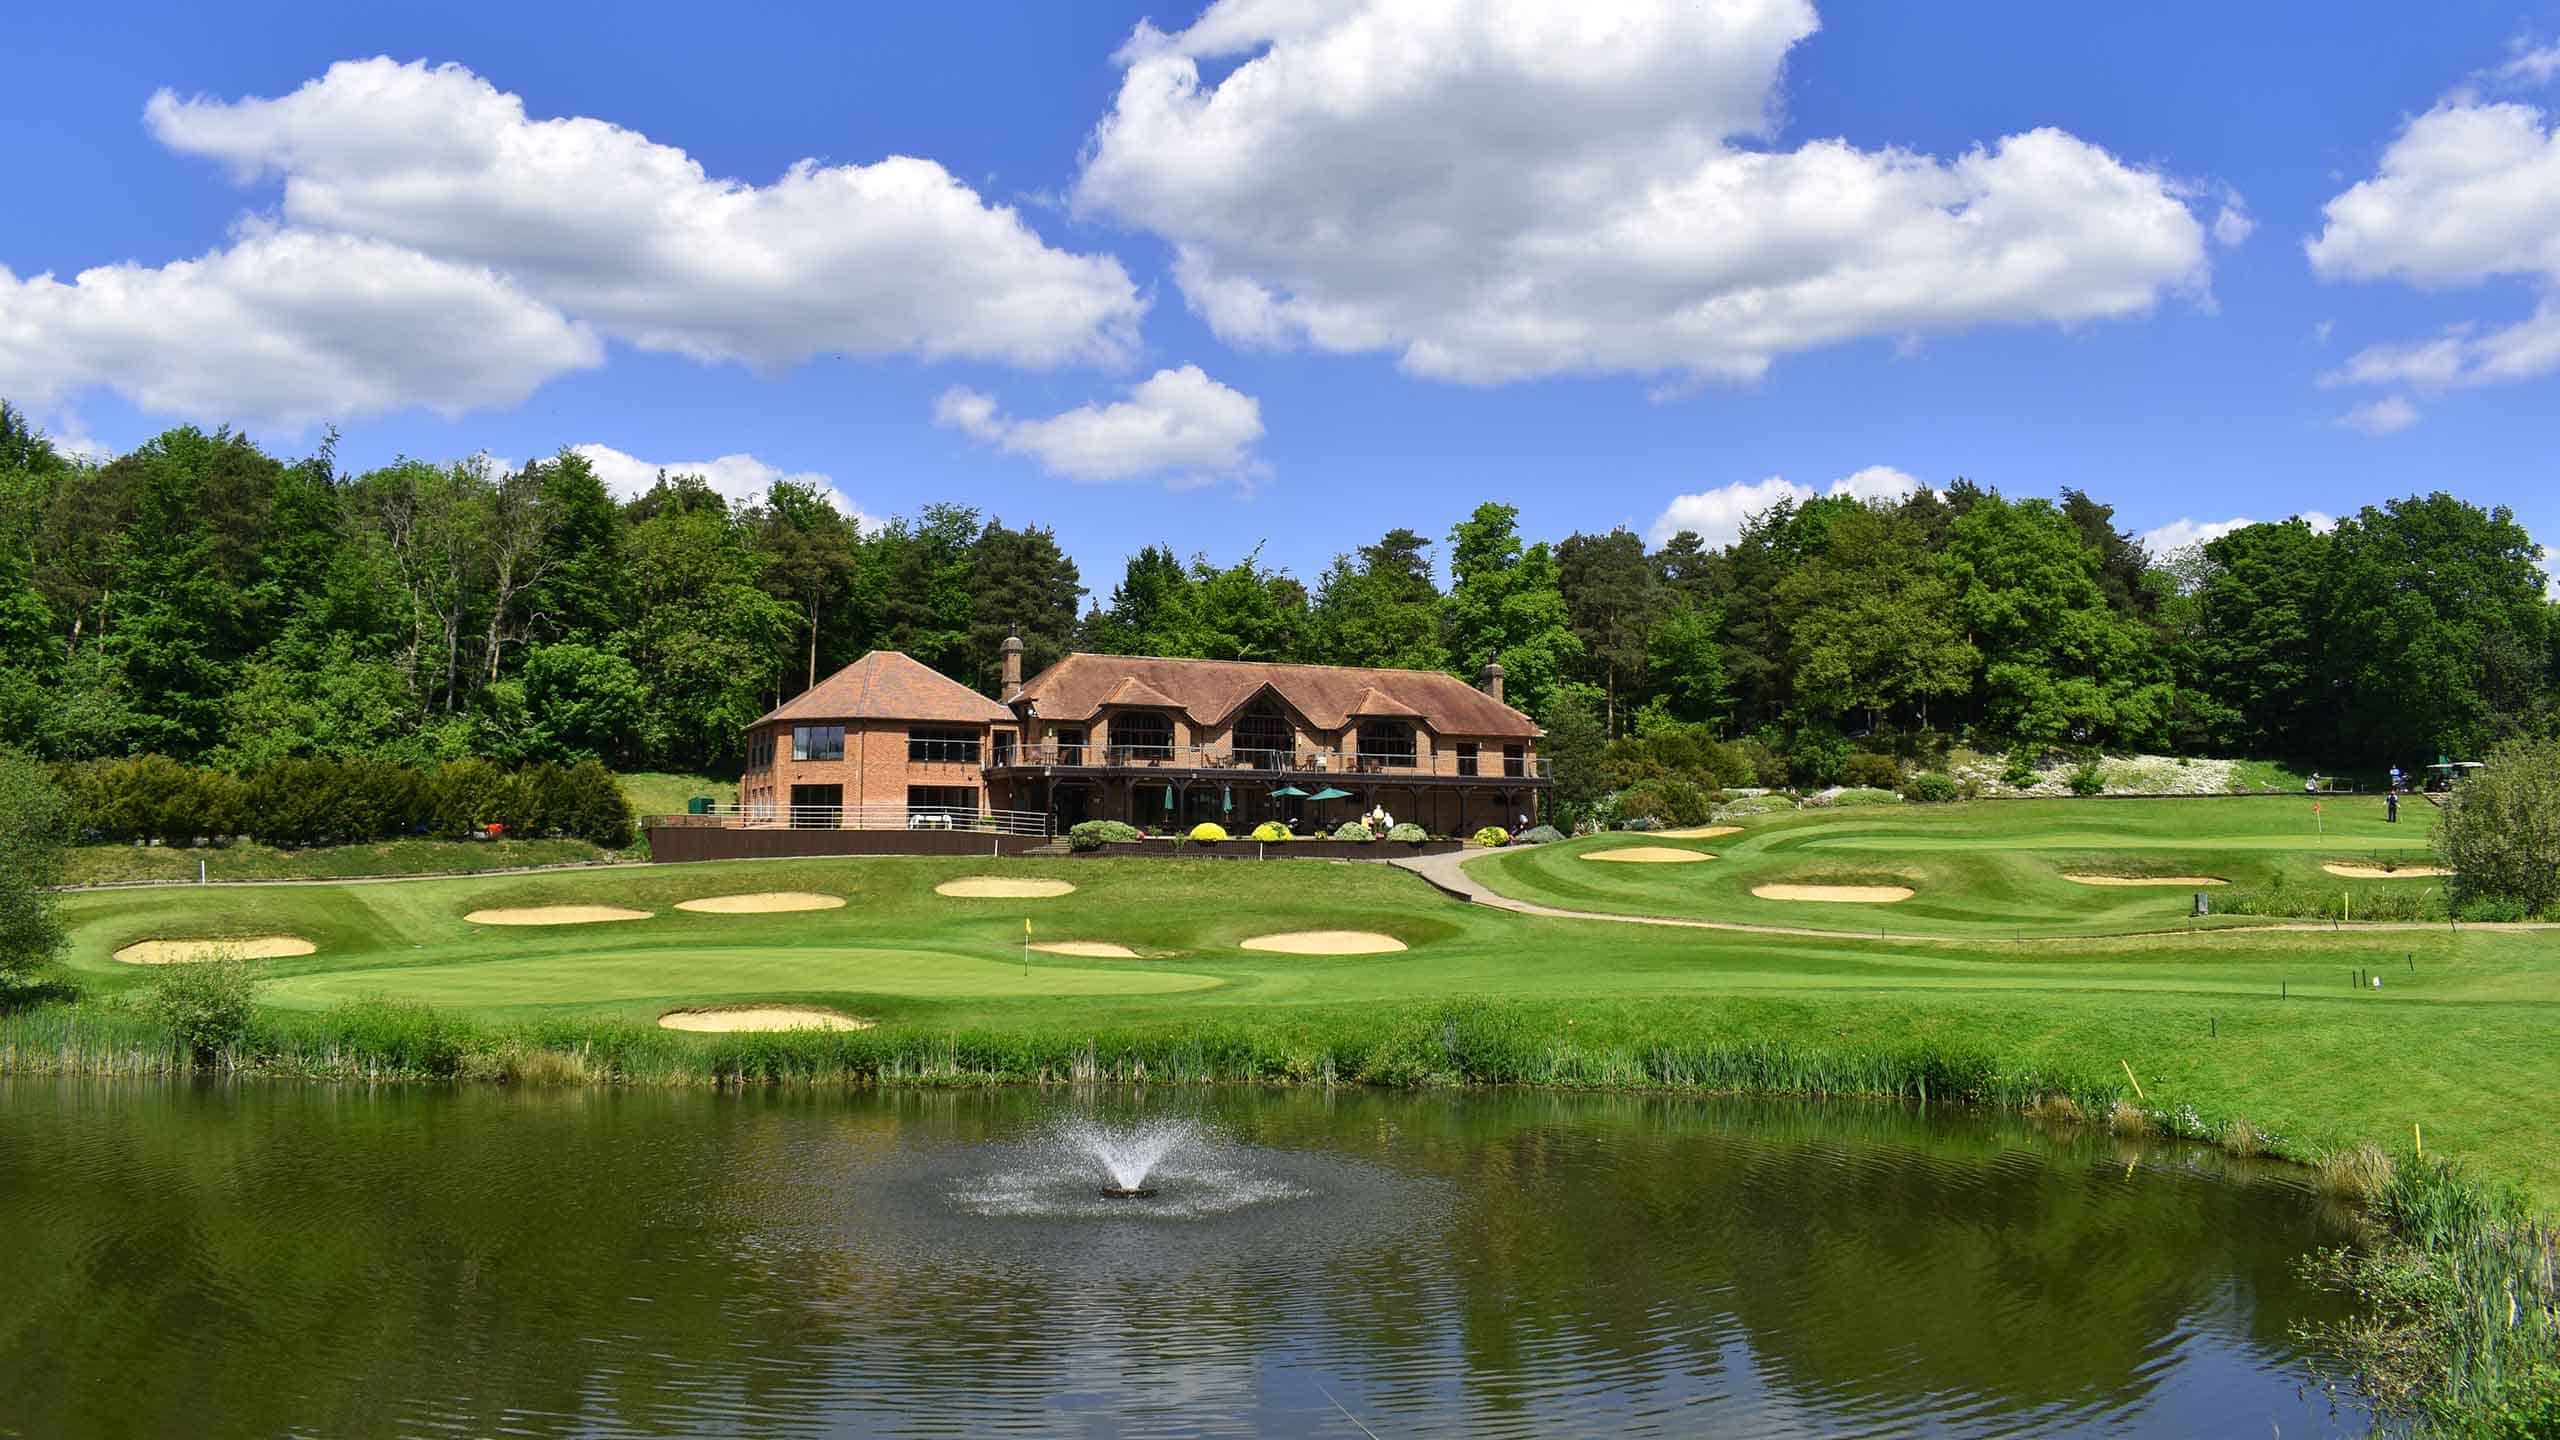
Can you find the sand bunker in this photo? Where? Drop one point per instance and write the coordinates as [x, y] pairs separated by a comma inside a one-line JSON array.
[[555, 915], [1836, 894], [768, 902], [2182, 881], [1089, 949], [1327, 942], [1650, 855], [2376, 872], [761, 1017], [181, 952], [990, 887], [1700, 832]]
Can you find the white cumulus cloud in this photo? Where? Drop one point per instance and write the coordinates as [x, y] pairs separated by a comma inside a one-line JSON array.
[[2467, 192], [740, 479], [2387, 416], [1515, 188], [2531, 65], [2166, 540], [633, 236], [1717, 516], [1179, 424], [286, 326]]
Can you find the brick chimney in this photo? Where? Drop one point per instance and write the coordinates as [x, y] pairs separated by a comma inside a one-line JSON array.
[[1012, 663], [1493, 676]]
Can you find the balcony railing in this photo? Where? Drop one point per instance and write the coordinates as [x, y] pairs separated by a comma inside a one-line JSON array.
[[1442, 764], [774, 816]]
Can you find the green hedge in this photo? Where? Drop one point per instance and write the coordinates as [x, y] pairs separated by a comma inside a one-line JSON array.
[[328, 802]]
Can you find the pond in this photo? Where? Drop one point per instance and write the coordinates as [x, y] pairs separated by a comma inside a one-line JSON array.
[[277, 1259]]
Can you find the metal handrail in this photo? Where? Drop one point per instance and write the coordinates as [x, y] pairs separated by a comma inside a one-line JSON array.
[[1253, 759], [774, 815]]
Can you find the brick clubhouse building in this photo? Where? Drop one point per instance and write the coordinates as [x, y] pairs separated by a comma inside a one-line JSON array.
[[887, 743]]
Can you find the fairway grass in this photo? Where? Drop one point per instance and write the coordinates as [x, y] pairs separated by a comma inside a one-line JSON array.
[[2277, 1027], [1989, 870]]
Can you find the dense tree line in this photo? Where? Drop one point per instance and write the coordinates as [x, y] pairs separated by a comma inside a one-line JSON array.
[[200, 599]]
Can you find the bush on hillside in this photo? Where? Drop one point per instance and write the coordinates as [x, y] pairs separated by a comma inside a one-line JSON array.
[[1865, 768], [1769, 768], [2025, 770], [2087, 778], [1929, 788], [1208, 832], [1094, 834], [1818, 757], [1671, 801], [1538, 835], [1352, 830], [2500, 831], [1854, 795], [1493, 835], [1271, 830], [1409, 833], [207, 1005]]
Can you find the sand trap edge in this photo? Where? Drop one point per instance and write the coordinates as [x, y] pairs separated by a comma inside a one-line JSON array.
[[1699, 832], [2376, 872], [188, 952], [1649, 855], [1325, 942], [555, 915], [1837, 894], [998, 887], [762, 902], [2183, 882], [1088, 949], [733, 1019]]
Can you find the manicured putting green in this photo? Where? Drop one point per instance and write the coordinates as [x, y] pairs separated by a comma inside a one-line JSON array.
[[722, 974]]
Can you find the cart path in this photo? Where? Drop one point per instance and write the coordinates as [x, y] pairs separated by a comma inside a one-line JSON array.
[[1448, 873]]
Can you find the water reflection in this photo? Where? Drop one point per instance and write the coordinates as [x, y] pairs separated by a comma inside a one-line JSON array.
[[270, 1259]]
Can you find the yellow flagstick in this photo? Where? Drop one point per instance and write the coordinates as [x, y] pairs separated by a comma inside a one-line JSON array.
[[1026, 947]]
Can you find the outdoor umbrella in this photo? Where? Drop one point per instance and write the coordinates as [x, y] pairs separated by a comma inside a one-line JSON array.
[[1289, 792], [1329, 793]]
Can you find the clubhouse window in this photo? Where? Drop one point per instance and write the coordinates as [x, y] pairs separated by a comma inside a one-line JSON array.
[[953, 800], [943, 747], [817, 742]]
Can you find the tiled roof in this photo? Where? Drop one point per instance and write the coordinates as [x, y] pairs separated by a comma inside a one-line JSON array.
[[888, 685], [1329, 696]]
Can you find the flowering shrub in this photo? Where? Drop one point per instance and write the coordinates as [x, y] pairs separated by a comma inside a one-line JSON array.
[[1208, 832], [1493, 835], [1270, 830]]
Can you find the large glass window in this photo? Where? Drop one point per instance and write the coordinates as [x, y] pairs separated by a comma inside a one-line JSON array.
[[1515, 761], [1263, 740], [1386, 742], [943, 746], [1071, 746], [1466, 757], [817, 742], [941, 807], [1142, 735]]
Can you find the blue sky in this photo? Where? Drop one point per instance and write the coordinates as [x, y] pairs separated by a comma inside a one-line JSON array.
[[1293, 273]]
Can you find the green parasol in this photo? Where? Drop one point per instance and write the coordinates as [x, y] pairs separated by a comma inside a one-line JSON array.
[[1288, 792]]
